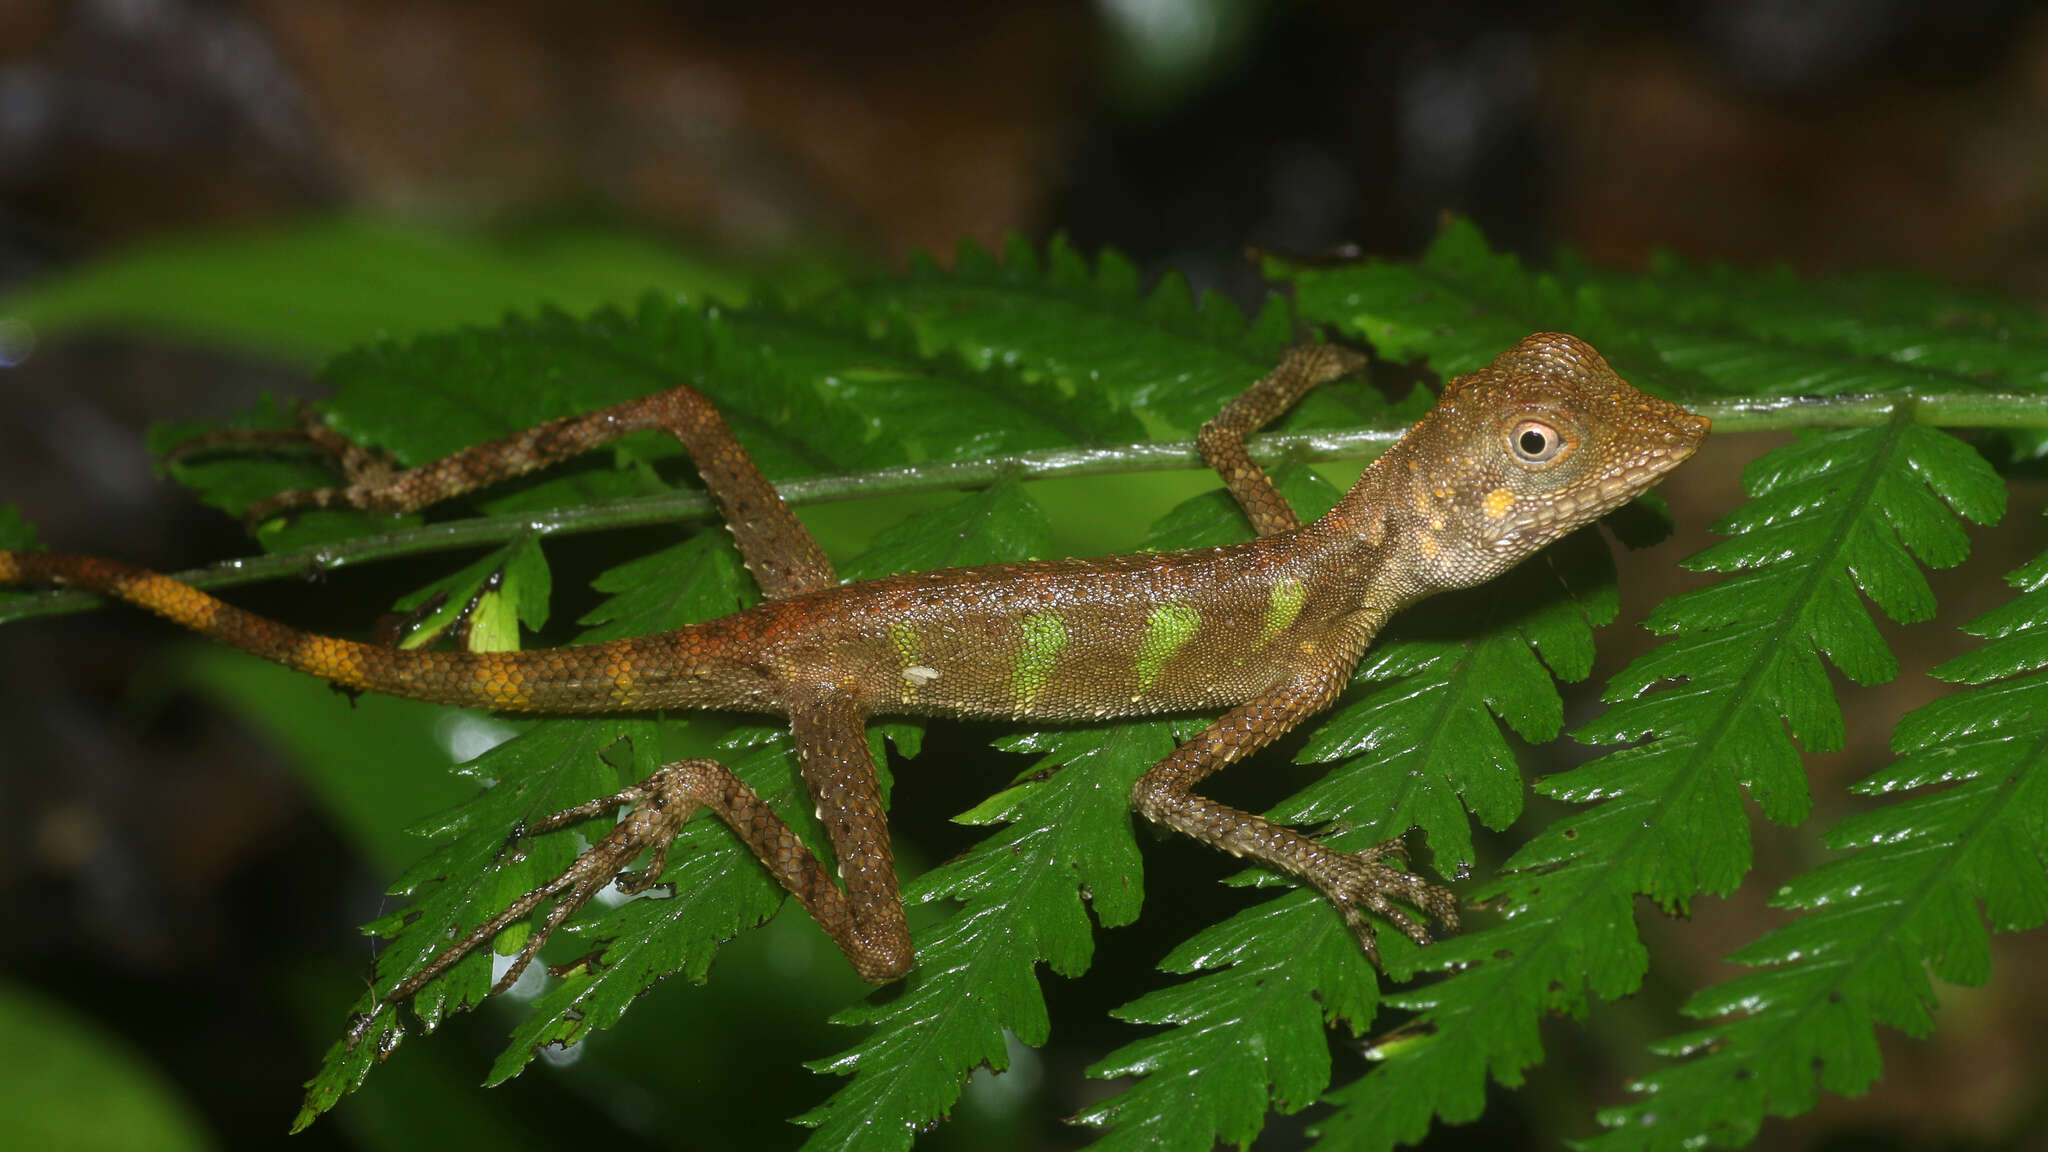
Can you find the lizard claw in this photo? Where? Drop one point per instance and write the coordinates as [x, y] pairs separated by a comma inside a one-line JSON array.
[[362, 470], [1361, 882], [658, 807]]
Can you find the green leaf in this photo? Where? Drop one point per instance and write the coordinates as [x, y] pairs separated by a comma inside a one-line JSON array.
[[1246, 1035], [549, 766], [504, 588], [1162, 354], [998, 523], [797, 392], [699, 579], [85, 1089], [1712, 331], [16, 532], [310, 290], [1456, 308], [1833, 518], [1020, 902], [1908, 891]]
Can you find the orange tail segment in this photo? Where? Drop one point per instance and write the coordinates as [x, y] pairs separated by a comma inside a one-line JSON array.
[[547, 680]]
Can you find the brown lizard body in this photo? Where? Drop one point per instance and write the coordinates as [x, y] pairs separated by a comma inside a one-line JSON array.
[[1542, 441]]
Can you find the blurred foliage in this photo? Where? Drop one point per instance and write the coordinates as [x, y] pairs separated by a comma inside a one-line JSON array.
[[70, 1084], [312, 290]]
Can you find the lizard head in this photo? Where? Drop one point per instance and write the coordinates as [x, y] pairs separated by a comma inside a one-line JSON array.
[[1538, 443]]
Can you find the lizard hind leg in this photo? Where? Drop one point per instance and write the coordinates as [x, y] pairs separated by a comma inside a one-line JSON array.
[[866, 920], [657, 809], [777, 549]]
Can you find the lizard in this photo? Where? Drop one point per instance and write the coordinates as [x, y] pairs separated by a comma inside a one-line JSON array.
[[1541, 441]]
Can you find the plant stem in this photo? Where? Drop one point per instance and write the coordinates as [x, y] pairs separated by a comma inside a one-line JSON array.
[[1953, 409]]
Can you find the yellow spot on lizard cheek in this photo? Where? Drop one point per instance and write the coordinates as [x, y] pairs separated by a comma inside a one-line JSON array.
[[1497, 503], [1429, 546]]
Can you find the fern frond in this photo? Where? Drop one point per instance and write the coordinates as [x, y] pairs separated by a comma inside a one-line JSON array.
[[1832, 516], [1701, 331], [1911, 892], [1067, 834], [1034, 352], [1710, 713], [1020, 901], [1243, 1035], [1113, 336], [550, 765], [801, 386]]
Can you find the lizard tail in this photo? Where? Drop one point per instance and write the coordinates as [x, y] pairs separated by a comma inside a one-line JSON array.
[[609, 677]]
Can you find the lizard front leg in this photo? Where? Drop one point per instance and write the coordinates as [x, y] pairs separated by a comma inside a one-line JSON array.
[[1355, 882], [360, 467], [1222, 438], [657, 808]]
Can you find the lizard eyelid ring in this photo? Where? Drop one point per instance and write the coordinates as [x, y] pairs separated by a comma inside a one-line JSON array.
[[1538, 442]]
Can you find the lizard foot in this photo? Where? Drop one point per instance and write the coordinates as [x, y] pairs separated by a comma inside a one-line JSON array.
[[1361, 882], [361, 469], [658, 807]]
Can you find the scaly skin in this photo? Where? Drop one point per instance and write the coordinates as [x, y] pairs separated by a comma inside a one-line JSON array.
[[1542, 441]]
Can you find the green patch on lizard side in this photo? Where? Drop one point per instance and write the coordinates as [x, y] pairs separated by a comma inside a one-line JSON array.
[[1168, 628], [1045, 637], [909, 646], [1283, 607]]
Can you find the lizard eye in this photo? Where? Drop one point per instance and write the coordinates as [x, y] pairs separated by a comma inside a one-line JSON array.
[[1535, 442]]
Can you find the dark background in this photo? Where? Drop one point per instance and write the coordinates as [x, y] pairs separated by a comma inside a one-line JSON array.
[[157, 873]]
